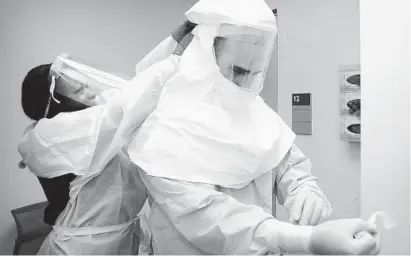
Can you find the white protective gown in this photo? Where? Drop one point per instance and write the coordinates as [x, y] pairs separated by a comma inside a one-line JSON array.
[[105, 198], [193, 218], [212, 169], [159, 53]]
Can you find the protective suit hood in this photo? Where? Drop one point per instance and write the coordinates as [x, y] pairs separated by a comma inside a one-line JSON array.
[[255, 13], [211, 126], [230, 35]]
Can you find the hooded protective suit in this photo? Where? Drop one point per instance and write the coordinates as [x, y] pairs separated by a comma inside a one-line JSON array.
[[102, 214], [213, 153]]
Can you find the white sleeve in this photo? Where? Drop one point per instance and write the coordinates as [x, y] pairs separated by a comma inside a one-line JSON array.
[[83, 142], [216, 223], [293, 176], [160, 52]]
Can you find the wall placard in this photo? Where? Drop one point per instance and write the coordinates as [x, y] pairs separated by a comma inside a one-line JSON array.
[[301, 113], [301, 99]]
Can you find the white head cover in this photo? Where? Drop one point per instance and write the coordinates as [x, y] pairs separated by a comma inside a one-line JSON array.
[[210, 126], [232, 44], [250, 13]]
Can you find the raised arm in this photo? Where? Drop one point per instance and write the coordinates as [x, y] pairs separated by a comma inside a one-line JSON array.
[[83, 142]]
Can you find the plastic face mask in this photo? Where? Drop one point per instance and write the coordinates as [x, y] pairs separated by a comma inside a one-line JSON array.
[[75, 86], [242, 55], [81, 83]]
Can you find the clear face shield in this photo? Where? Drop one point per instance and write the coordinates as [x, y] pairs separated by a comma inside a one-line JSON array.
[[243, 54], [81, 83]]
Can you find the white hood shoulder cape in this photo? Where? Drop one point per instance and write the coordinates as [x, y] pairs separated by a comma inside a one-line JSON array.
[[195, 134]]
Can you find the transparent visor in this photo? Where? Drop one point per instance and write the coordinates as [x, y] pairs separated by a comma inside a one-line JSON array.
[[81, 83], [243, 54]]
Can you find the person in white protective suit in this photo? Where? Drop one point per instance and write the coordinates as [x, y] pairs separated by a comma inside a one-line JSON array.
[[213, 153], [84, 107]]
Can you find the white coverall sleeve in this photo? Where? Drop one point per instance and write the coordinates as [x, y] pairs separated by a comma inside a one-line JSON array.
[[216, 223], [293, 176], [83, 142], [160, 52]]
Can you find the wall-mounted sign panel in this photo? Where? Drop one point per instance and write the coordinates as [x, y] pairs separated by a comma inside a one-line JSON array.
[[302, 113]]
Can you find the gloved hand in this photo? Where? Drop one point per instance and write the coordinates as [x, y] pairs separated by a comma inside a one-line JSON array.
[[345, 236], [181, 31], [366, 235], [309, 209]]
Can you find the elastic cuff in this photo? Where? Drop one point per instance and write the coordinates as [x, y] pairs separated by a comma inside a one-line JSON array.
[[285, 237]]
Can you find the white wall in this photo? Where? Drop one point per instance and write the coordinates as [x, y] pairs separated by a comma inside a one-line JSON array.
[[111, 34], [270, 89], [385, 59], [314, 38]]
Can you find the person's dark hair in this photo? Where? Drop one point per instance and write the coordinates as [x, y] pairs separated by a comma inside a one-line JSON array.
[[35, 95]]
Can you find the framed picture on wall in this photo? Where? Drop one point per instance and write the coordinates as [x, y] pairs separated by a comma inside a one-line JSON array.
[[350, 102]]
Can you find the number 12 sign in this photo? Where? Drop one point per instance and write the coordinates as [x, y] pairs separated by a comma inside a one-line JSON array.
[[301, 99], [302, 113]]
